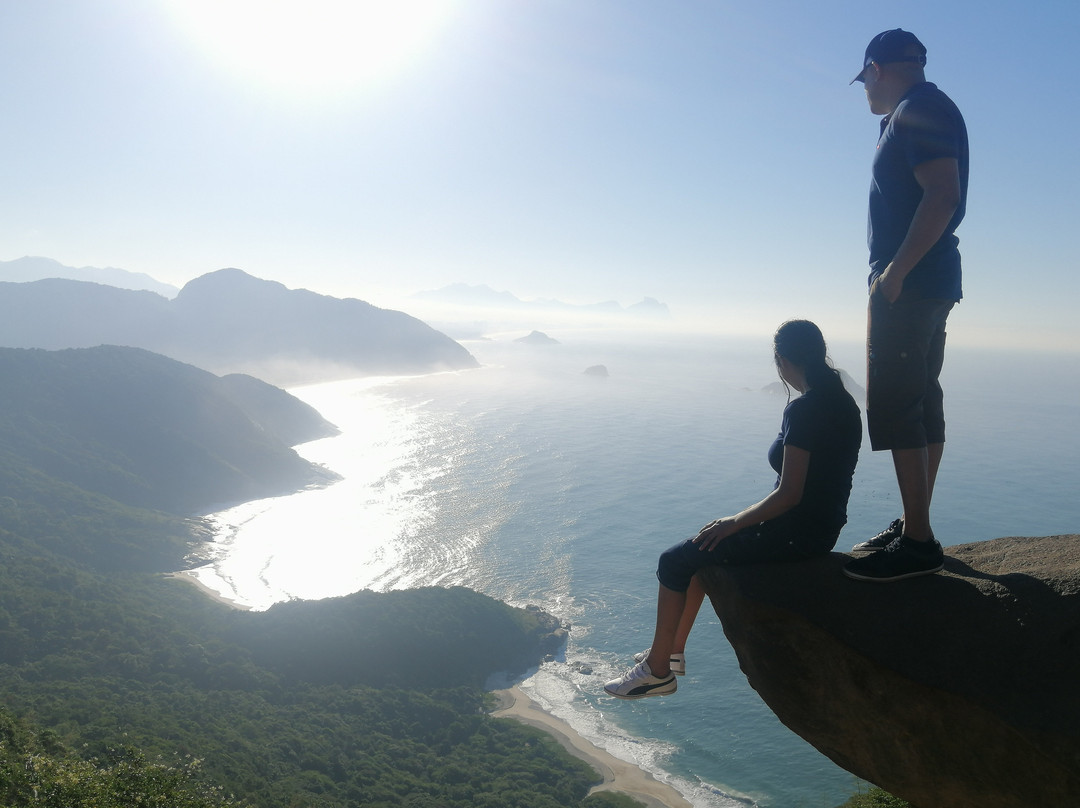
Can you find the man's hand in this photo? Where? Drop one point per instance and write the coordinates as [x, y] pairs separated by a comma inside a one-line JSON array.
[[940, 182], [889, 285]]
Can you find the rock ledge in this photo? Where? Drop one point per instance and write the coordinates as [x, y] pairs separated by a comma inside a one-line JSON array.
[[953, 690]]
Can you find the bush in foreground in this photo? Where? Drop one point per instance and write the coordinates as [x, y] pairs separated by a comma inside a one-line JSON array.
[[875, 798], [36, 770]]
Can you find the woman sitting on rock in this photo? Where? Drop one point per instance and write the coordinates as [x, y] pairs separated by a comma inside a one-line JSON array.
[[814, 457]]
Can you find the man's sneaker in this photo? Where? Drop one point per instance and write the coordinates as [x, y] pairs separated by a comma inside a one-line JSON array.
[[676, 661], [883, 539], [904, 558], [638, 682]]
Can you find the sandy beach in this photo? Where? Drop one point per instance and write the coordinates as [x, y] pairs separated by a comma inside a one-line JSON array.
[[193, 579], [618, 775]]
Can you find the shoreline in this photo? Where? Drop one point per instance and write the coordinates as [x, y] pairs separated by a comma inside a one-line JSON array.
[[213, 594], [618, 775]]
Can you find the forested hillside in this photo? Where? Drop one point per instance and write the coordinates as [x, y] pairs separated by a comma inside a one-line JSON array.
[[150, 432], [121, 686]]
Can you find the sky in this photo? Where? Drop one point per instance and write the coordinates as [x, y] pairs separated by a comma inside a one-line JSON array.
[[705, 153]]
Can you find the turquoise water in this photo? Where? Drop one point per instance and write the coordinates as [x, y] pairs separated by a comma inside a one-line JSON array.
[[532, 482]]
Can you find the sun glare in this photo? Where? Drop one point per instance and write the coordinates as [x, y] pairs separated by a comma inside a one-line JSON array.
[[312, 47]]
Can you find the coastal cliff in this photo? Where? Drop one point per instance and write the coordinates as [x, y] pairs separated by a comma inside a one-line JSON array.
[[952, 690]]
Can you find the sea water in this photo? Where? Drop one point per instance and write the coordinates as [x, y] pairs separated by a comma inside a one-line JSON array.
[[533, 482]]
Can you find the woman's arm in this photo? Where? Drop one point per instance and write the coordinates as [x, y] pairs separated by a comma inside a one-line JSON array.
[[780, 500]]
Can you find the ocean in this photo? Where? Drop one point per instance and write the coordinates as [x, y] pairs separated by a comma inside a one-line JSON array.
[[533, 482]]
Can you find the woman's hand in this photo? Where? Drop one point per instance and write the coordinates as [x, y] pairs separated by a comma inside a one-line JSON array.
[[714, 532]]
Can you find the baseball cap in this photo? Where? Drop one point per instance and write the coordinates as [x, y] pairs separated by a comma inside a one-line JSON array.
[[896, 45]]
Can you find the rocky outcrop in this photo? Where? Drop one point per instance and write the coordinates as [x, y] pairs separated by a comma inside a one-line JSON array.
[[953, 690], [551, 633]]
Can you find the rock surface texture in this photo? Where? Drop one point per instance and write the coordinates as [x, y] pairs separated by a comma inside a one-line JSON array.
[[954, 690]]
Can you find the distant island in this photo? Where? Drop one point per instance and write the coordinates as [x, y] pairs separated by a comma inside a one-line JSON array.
[[537, 338], [230, 322]]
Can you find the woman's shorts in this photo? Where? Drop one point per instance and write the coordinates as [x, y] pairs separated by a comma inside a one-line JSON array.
[[780, 539]]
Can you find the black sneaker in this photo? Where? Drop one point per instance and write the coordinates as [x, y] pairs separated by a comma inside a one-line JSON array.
[[904, 558], [883, 539]]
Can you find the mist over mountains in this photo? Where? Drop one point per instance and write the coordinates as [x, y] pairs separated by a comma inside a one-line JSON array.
[[228, 321], [460, 294], [36, 268]]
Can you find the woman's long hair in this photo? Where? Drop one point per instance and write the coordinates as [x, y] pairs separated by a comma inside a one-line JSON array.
[[801, 343]]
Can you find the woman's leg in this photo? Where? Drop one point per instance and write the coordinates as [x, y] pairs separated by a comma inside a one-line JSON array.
[[671, 634], [669, 611], [695, 596], [682, 594]]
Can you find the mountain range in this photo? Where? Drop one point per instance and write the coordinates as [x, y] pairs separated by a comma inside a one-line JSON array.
[[36, 268], [229, 321]]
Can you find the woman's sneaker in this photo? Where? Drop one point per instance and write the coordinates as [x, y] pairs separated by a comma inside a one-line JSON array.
[[638, 683], [883, 539], [676, 661]]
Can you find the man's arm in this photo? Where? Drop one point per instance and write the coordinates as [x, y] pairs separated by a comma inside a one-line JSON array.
[[940, 182]]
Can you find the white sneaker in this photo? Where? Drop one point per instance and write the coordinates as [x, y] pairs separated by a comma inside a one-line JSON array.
[[638, 682], [676, 661]]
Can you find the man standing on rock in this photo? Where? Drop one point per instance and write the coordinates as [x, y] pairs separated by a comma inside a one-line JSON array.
[[917, 198]]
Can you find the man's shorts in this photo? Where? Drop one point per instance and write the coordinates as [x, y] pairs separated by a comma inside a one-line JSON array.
[[905, 349]]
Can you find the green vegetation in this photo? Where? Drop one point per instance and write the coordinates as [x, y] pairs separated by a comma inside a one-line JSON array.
[[122, 686], [135, 661], [147, 431], [875, 798], [36, 770]]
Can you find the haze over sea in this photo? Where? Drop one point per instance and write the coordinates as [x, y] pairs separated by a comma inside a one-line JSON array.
[[533, 482]]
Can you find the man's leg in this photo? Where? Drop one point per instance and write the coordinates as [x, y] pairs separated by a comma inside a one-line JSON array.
[[905, 354], [934, 451], [912, 476]]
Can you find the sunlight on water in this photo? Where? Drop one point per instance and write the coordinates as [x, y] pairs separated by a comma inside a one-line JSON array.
[[531, 482], [278, 549]]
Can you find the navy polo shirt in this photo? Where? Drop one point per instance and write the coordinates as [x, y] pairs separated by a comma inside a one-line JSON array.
[[926, 125]]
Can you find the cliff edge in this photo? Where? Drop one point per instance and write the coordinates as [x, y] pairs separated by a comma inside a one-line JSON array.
[[957, 689]]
